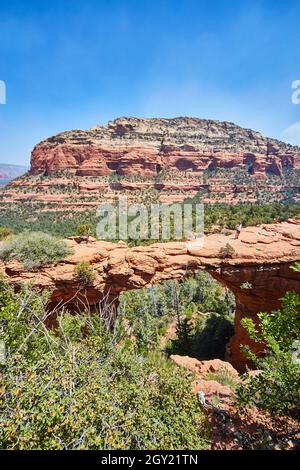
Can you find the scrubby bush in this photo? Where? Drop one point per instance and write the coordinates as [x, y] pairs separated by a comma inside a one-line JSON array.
[[227, 251], [224, 377], [36, 216], [208, 338], [78, 387], [246, 286], [34, 249], [84, 272], [84, 230], [277, 387], [5, 232]]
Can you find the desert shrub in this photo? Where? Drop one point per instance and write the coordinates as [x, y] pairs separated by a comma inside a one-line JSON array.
[[64, 389], [277, 387], [34, 249], [64, 223], [84, 272], [227, 251], [183, 342], [5, 232], [224, 377], [84, 230]]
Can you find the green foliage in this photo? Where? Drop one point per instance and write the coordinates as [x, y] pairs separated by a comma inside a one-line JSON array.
[[84, 230], [84, 272], [37, 216], [78, 387], [246, 286], [197, 334], [224, 377], [228, 216], [227, 251], [146, 313], [277, 387], [5, 232], [34, 249], [208, 338], [184, 339], [296, 267], [17, 315]]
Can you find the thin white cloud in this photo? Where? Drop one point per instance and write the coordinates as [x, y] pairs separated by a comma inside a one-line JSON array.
[[292, 133]]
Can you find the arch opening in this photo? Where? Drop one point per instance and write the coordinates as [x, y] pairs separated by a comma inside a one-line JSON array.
[[194, 317]]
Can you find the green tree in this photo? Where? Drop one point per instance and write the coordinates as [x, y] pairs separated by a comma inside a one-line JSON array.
[[277, 387]]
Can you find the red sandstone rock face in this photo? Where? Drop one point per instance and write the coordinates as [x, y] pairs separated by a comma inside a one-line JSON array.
[[202, 383], [263, 258], [146, 146]]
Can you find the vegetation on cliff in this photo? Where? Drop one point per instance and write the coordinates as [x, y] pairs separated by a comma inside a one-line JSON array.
[[34, 249], [65, 223]]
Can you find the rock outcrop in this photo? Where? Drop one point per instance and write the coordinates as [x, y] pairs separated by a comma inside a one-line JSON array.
[[204, 372], [231, 428], [258, 273], [146, 147]]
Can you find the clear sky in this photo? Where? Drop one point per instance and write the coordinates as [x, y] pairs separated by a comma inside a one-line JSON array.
[[73, 64]]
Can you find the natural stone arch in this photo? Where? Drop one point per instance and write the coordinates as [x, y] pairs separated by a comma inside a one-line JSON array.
[[262, 258]]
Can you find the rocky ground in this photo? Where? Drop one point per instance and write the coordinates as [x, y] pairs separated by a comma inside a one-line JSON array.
[[234, 429]]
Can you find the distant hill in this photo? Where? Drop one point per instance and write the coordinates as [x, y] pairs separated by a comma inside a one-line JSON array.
[[10, 172]]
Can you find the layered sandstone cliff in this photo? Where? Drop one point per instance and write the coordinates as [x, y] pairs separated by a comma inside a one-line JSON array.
[[145, 147]]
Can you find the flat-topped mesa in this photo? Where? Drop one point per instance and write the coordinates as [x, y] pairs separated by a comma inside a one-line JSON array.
[[258, 273], [148, 146]]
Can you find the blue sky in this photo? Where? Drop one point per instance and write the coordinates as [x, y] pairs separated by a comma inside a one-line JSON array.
[[73, 64]]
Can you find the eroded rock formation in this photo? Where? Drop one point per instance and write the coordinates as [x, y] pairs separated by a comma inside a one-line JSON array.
[[259, 273], [156, 160], [131, 146]]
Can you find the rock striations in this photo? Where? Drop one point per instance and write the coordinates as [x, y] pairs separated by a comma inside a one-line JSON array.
[[130, 146], [157, 160]]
